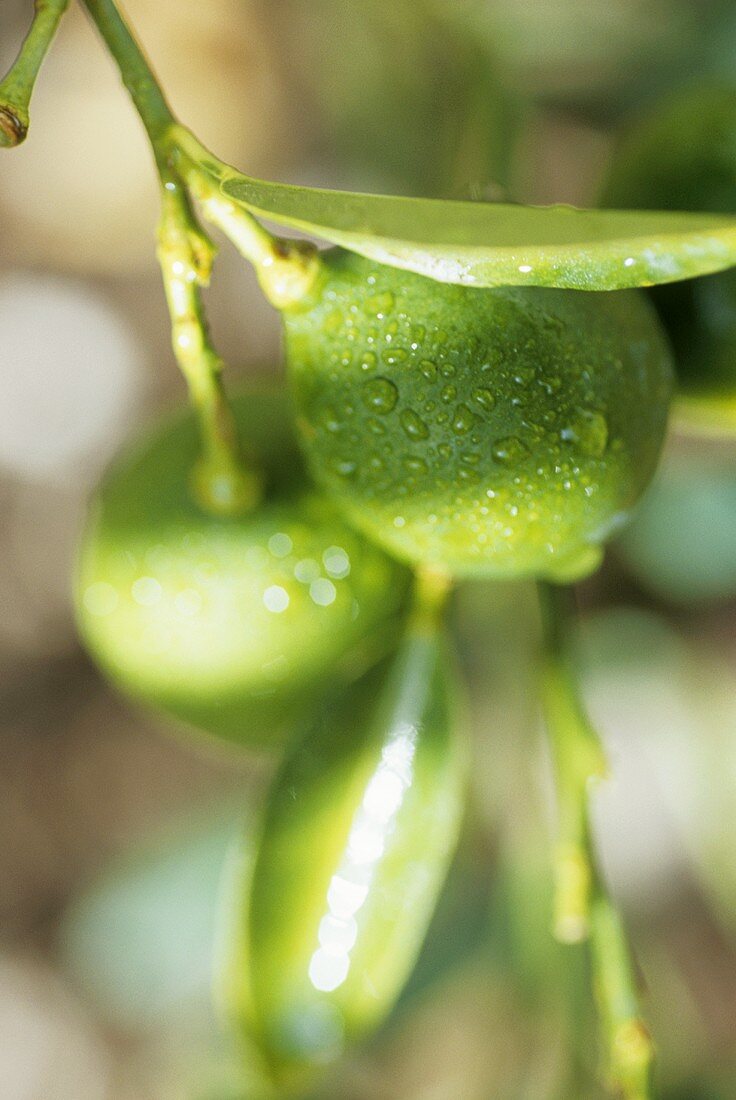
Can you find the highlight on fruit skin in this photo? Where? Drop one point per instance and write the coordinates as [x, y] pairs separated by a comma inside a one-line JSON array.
[[359, 828], [494, 432], [231, 625]]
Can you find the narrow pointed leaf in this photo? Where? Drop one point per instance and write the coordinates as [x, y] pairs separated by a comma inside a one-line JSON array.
[[360, 826]]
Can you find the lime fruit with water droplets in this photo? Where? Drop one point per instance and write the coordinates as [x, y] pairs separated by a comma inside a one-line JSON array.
[[681, 155], [228, 624], [491, 432]]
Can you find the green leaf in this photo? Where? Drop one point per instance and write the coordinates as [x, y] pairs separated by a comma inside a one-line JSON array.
[[499, 244]]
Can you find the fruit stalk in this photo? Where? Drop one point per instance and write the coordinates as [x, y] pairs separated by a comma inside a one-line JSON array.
[[17, 87], [583, 908], [220, 482]]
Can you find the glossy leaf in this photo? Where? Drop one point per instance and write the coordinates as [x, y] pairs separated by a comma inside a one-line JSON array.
[[359, 828], [496, 244]]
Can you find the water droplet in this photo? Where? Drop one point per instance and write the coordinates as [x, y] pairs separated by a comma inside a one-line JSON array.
[[509, 451], [394, 355], [380, 303], [380, 394], [343, 467], [413, 425], [589, 430], [524, 375], [376, 426], [368, 360], [146, 591], [415, 465], [594, 433], [447, 370], [276, 599], [331, 419], [552, 383], [463, 420], [307, 570], [322, 592], [484, 398], [449, 393], [428, 369], [280, 545], [444, 450], [336, 562]]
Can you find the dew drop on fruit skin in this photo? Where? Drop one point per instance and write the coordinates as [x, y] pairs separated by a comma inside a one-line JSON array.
[[549, 404]]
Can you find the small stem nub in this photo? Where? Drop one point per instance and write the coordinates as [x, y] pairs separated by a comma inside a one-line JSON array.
[[220, 483], [17, 87]]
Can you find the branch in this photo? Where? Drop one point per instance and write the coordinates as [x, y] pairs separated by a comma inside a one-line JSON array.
[[17, 87], [583, 909]]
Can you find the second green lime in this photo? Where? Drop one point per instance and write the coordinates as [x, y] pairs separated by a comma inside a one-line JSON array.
[[227, 623]]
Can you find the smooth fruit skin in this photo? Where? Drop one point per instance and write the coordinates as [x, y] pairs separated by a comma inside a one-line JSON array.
[[359, 828], [681, 155], [227, 624], [499, 433]]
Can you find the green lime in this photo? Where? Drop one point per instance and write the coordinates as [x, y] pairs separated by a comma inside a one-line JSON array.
[[226, 623], [500, 433]]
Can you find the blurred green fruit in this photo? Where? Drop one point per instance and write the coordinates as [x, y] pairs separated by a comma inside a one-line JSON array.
[[226, 623], [500, 433], [681, 155]]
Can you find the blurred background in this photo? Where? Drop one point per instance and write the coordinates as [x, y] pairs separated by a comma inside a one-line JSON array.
[[113, 829]]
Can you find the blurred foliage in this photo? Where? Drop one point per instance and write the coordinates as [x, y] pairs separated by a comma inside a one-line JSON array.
[[387, 76], [682, 543]]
